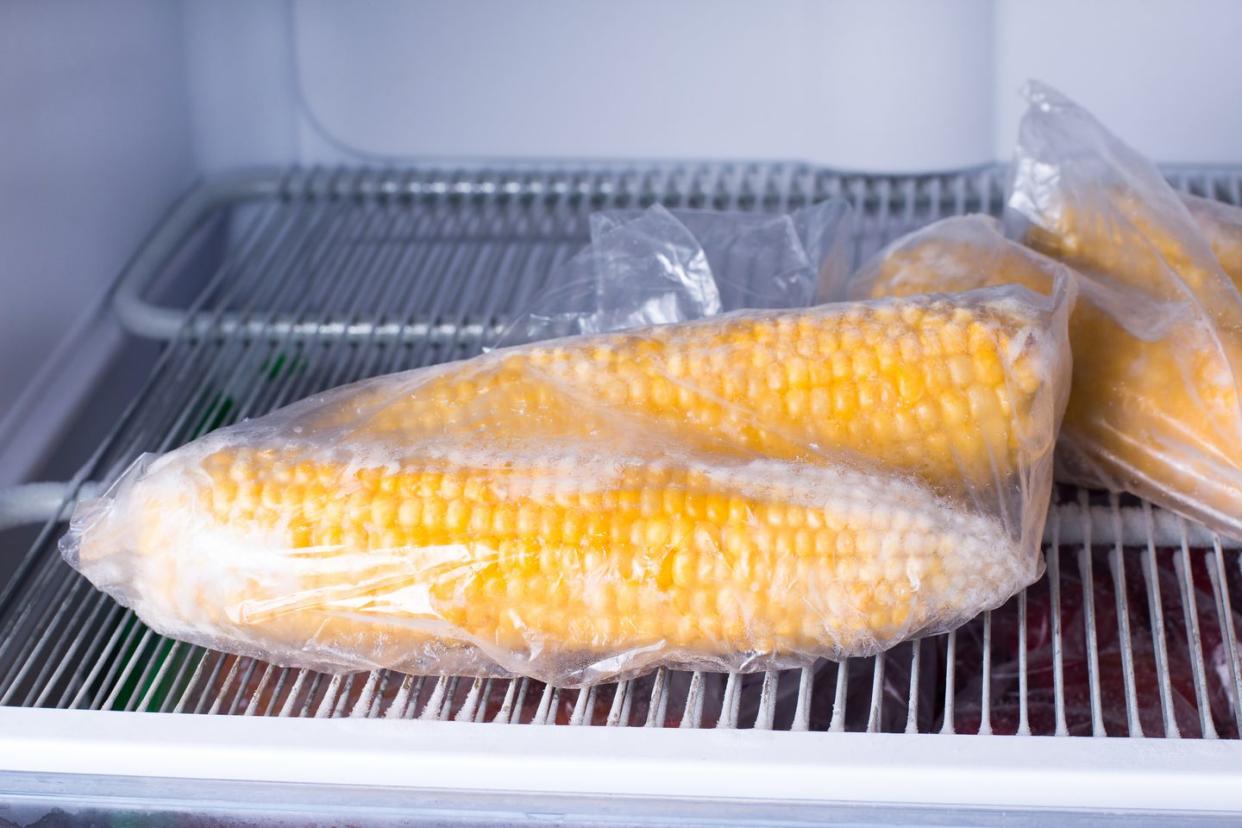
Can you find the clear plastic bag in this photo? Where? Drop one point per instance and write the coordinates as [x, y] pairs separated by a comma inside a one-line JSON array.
[[969, 252], [954, 255], [1221, 224], [1170, 426], [746, 491], [658, 266], [1157, 333]]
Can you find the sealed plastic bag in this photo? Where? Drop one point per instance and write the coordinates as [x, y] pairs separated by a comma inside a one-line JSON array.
[[745, 491], [1157, 334]]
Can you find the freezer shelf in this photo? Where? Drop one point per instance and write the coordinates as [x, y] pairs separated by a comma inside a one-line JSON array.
[[322, 277]]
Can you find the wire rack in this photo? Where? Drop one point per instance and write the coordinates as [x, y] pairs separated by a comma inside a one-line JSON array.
[[306, 280]]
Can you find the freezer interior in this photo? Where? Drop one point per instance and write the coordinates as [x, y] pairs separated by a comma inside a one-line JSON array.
[[1110, 690]]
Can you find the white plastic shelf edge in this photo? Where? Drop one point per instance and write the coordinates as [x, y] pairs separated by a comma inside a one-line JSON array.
[[1122, 774]]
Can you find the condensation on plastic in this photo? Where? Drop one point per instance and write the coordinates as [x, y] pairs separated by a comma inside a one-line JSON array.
[[1157, 334], [745, 491]]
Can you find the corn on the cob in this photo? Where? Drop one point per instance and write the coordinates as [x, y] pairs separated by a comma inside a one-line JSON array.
[[751, 490], [1154, 405], [957, 392], [575, 569], [1131, 243]]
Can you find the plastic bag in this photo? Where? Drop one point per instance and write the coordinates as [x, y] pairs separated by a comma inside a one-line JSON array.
[[1221, 225], [1157, 334], [742, 492], [1171, 427], [954, 255], [968, 252], [657, 266]]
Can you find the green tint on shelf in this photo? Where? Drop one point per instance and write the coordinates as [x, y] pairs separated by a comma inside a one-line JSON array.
[[162, 667]]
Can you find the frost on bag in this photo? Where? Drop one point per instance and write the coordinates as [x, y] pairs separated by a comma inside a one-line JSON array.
[[1157, 332], [1221, 224], [1163, 417], [969, 252], [744, 491]]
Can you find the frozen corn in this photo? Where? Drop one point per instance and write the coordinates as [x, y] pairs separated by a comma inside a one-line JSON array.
[[571, 570], [1144, 405], [954, 392], [1156, 335], [1104, 243], [747, 491], [1084, 196]]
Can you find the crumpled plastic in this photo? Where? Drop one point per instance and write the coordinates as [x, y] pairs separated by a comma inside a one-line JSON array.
[[746, 491], [658, 266], [1157, 335]]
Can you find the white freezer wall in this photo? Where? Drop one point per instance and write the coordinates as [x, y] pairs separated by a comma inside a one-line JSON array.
[[894, 85], [94, 146], [1163, 74], [109, 110]]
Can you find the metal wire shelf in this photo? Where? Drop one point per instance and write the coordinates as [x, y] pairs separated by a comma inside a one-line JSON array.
[[319, 278]]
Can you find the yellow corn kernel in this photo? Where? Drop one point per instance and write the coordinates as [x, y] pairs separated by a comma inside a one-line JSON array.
[[780, 559], [1110, 247], [802, 385]]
